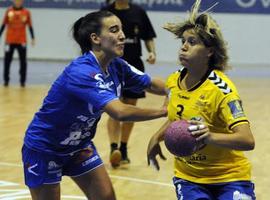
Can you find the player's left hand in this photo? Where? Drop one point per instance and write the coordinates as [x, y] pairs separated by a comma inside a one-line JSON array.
[[151, 58]]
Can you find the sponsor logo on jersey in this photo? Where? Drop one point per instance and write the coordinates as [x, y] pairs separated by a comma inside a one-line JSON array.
[[183, 97], [236, 108], [136, 29], [79, 131], [202, 97], [201, 103], [101, 83], [197, 118]]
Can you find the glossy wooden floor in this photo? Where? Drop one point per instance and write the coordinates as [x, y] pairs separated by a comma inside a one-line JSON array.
[[136, 181]]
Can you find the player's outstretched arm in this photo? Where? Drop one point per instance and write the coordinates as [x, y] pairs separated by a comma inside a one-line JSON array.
[[154, 148], [126, 112], [157, 87]]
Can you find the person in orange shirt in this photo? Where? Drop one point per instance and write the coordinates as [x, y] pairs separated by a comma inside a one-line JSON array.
[[16, 19]]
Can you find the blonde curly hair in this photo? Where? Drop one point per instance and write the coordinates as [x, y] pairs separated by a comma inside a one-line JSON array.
[[208, 31]]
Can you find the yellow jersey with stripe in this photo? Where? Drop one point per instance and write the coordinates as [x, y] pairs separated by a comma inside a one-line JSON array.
[[215, 100]]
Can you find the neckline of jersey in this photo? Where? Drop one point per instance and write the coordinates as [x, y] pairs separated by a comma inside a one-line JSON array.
[[183, 74]]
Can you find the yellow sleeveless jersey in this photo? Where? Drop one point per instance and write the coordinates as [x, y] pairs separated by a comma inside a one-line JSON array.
[[214, 100]]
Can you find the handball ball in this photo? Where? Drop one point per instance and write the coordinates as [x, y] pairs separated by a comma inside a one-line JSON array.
[[178, 139]]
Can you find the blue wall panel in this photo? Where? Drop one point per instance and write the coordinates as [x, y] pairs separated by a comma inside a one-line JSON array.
[[224, 6]]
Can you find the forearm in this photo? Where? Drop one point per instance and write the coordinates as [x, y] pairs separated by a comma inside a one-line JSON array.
[[241, 137], [31, 30], [132, 113], [2, 29], [232, 141], [150, 46], [125, 112], [157, 87], [159, 135]]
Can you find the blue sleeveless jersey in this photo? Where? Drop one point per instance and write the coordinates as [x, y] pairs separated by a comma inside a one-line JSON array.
[[67, 120]]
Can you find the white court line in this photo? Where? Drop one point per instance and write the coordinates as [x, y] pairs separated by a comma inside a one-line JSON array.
[[112, 176], [141, 180], [10, 164], [29, 196]]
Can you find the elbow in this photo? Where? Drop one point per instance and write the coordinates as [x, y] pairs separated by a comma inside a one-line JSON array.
[[118, 111], [120, 115], [250, 145]]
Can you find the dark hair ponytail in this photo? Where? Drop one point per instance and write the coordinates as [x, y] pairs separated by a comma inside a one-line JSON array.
[[84, 26], [77, 35]]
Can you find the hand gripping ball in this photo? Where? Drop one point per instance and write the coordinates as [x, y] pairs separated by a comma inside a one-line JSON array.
[[178, 139]]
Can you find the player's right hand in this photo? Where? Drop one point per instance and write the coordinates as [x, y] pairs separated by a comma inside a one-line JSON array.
[[153, 150]]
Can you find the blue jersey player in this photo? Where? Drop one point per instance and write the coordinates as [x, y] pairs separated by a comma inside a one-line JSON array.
[[58, 140]]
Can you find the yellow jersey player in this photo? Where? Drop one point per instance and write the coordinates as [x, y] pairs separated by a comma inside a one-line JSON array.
[[202, 93]]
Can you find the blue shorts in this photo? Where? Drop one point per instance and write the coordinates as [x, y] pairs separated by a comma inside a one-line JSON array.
[[237, 190], [42, 168]]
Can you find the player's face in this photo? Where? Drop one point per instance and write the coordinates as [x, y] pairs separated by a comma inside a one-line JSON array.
[[112, 37], [18, 3], [193, 52]]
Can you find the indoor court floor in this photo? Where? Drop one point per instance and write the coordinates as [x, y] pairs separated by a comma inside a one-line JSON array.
[[137, 180]]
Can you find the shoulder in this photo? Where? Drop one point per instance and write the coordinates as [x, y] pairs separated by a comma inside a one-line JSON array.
[[119, 63], [108, 7], [27, 11], [137, 8], [83, 66], [120, 66], [9, 9], [222, 82], [172, 79]]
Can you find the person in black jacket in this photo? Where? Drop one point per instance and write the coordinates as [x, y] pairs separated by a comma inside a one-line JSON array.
[[137, 27]]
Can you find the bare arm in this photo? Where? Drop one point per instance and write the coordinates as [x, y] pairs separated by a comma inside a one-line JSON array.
[[2, 29], [241, 138], [31, 30], [150, 46], [125, 112], [154, 148], [157, 87]]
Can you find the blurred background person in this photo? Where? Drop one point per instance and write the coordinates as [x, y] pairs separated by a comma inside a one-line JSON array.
[[16, 19], [109, 2], [137, 27]]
